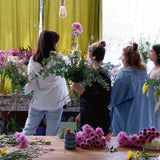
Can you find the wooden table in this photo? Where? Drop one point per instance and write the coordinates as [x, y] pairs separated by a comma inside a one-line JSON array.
[[61, 153]]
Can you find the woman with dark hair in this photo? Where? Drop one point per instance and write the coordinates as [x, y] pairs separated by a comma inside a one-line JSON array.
[[48, 91], [94, 100], [131, 110], [154, 56]]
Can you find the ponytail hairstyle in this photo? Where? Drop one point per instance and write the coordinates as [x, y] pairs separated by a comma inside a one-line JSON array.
[[45, 44], [156, 47], [132, 57], [98, 50]]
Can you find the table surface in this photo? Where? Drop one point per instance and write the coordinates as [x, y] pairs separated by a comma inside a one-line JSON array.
[[60, 153]]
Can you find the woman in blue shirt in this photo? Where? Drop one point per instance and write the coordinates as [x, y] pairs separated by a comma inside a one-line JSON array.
[[131, 110]]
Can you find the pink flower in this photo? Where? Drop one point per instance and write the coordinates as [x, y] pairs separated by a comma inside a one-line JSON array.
[[74, 32], [2, 52], [152, 129], [87, 128], [77, 26], [92, 37], [80, 30], [2, 59], [9, 52], [21, 139], [99, 131]]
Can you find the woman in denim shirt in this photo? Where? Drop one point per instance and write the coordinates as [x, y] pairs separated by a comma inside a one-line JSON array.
[[131, 110]]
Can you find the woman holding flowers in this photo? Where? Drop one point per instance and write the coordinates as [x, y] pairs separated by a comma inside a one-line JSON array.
[[154, 56], [131, 110], [94, 100], [48, 91]]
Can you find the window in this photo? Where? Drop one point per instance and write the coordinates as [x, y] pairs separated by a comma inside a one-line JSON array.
[[129, 20]]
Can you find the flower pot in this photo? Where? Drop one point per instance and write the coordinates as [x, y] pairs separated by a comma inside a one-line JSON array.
[[70, 141]]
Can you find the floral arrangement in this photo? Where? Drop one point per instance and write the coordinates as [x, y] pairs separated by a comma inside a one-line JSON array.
[[146, 138], [76, 30], [90, 138], [14, 67]]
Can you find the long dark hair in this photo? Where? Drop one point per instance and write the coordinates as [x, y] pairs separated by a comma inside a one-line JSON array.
[[156, 47], [46, 42], [133, 57]]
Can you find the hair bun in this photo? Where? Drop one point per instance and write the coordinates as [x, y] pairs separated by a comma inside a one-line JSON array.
[[102, 44], [135, 46]]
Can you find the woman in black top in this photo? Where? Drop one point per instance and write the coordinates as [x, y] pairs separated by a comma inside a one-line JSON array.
[[94, 100]]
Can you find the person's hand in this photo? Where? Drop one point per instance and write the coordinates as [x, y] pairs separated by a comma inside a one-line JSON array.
[[77, 88], [77, 120], [75, 45]]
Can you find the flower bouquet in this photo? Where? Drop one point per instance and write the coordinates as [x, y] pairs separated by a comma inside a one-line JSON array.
[[90, 138], [149, 139], [14, 67]]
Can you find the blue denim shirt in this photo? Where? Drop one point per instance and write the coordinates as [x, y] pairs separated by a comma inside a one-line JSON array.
[[131, 110]]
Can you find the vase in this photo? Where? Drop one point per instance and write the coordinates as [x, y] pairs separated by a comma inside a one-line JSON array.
[[70, 141]]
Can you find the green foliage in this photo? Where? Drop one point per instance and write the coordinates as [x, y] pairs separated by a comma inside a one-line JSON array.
[[144, 48], [16, 73], [156, 84], [74, 68]]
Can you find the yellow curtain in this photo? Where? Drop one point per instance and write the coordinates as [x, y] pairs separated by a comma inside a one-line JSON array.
[[19, 23], [87, 12]]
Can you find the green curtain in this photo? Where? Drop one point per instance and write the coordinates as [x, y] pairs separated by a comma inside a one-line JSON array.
[[87, 12], [19, 23]]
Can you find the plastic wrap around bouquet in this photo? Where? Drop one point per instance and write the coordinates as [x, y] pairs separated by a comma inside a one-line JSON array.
[[149, 139], [90, 138]]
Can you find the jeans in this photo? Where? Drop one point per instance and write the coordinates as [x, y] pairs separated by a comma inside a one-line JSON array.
[[53, 119]]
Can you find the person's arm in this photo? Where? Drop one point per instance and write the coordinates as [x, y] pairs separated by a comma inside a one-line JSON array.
[[30, 86], [93, 94]]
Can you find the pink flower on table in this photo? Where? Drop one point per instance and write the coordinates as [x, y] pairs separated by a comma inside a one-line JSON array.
[[21, 139], [87, 128], [99, 131]]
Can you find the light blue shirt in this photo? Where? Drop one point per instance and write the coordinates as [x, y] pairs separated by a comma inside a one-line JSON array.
[[131, 110]]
